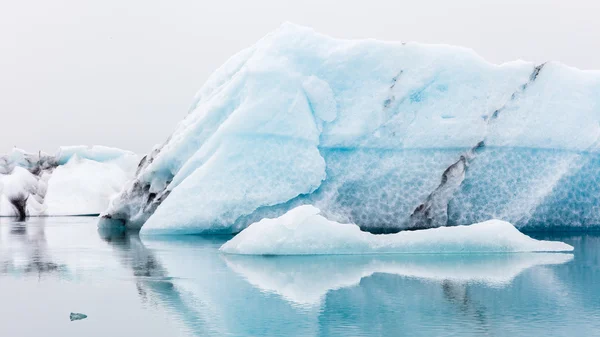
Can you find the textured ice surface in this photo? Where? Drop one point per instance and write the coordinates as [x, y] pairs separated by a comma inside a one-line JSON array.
[[77, 180], [386, 135], [305, 280], [303, 231]]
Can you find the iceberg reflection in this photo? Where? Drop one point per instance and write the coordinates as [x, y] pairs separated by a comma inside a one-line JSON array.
[[24, 251], [152, 280], [305, 280]]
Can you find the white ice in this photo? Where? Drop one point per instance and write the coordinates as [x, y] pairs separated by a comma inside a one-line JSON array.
[[303, 231], [78, 180], [20, 184], [84, 186]]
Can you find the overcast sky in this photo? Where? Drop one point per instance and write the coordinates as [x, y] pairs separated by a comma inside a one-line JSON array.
[[123, 72]]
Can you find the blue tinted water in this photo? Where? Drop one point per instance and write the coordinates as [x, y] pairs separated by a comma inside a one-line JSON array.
[[183, 286]]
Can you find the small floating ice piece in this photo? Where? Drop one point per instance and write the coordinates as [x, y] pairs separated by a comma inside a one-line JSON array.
[[77, 316], [303, 231]]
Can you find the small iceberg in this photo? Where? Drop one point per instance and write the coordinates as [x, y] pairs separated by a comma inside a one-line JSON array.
[[304, 231], [77, 316]]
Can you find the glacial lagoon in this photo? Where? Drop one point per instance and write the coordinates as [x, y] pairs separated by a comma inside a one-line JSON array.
[[183, 286]]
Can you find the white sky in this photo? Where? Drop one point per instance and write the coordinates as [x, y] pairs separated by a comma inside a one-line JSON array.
[[123, 72]]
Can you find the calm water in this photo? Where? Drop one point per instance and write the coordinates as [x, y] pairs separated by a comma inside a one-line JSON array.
[[183, 287]]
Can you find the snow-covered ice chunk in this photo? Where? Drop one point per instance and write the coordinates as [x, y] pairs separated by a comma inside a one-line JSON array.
[[303, 231], [15, 189], [83, 186], [63, 184]]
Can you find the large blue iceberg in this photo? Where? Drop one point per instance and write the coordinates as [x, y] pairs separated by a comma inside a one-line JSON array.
[[386, 135]]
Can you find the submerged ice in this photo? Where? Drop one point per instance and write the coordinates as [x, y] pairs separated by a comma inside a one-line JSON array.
[[303, 231], [75, 181], [386, 135]]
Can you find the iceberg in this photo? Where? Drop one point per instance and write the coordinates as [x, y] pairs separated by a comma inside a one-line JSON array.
[[76, 181], [387, 135], [304, 231], [74, 316]]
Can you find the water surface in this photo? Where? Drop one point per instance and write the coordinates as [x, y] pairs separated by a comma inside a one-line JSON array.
[[182, 286]]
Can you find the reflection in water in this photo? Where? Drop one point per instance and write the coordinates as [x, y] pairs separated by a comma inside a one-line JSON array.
[[152, 281], [216, 294], [306, 279], [366, 295], [458, 295], [134, 256], [33, 256], [183, 285], [225, 302]]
